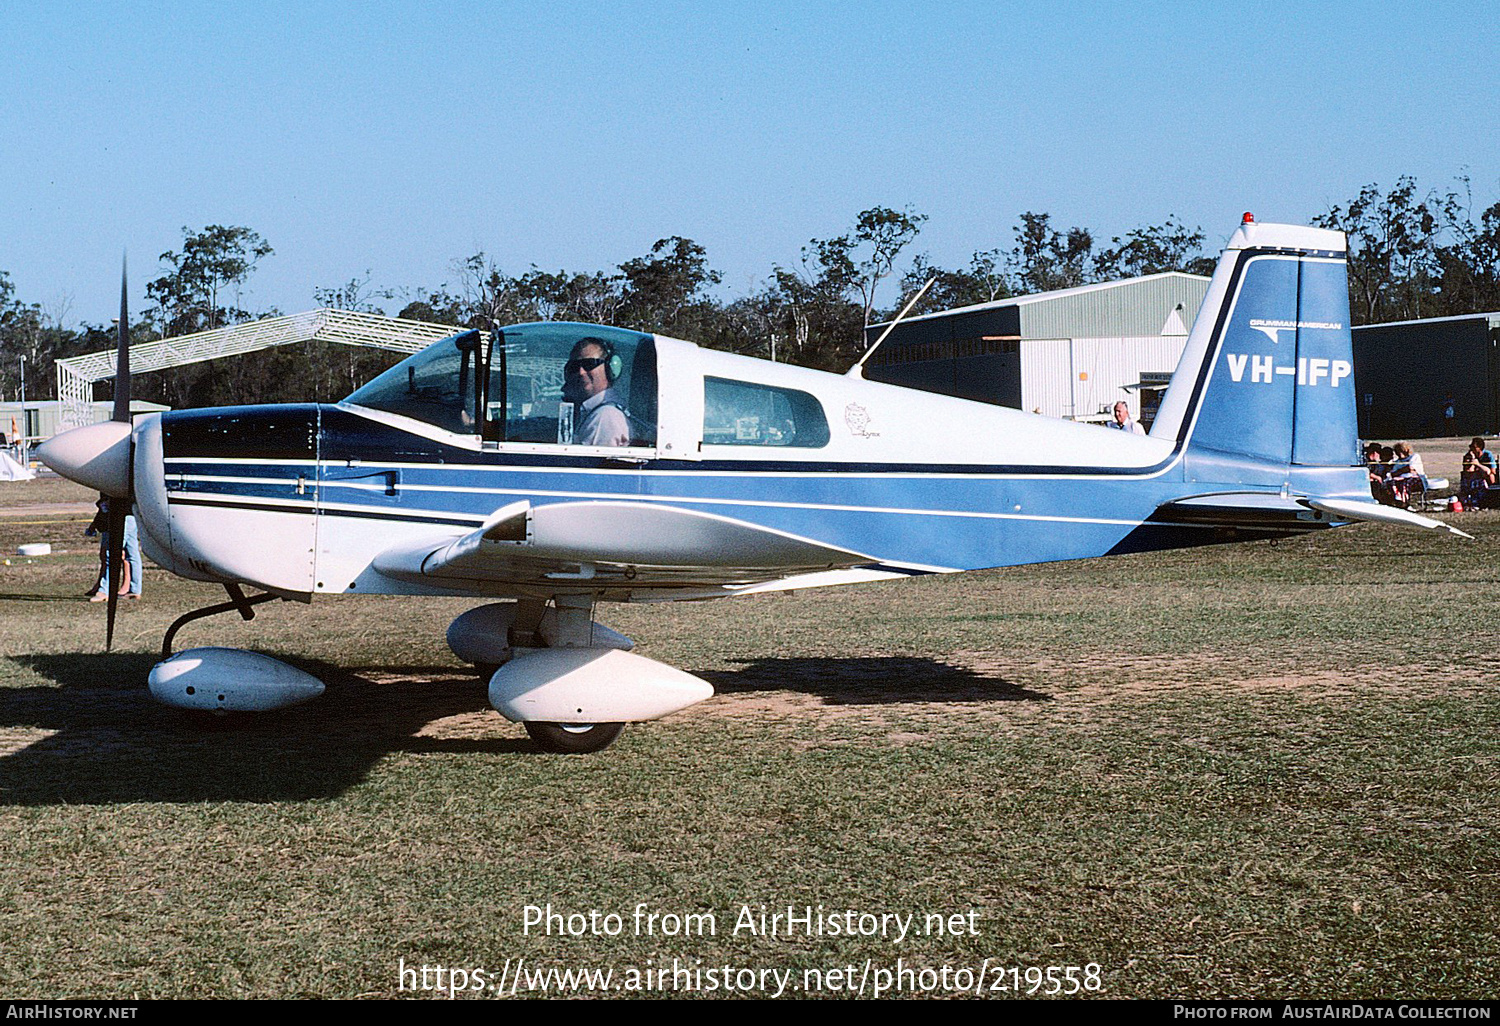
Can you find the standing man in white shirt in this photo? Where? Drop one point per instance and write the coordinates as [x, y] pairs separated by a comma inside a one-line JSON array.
[[1122, 421]]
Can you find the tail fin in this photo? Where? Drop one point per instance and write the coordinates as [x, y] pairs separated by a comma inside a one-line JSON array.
[[1262, 401], [1269, 363]]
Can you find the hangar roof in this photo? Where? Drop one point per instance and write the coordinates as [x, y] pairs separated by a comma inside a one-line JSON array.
[[1111, 309], [1493, 318], [349, 327]]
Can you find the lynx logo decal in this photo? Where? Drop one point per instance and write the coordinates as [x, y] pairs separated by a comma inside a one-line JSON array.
[[858, 419]]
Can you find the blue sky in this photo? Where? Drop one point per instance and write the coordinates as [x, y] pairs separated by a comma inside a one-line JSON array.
[[397, 137]]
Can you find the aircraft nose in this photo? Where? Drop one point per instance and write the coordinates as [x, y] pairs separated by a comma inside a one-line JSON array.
[[97, 456]]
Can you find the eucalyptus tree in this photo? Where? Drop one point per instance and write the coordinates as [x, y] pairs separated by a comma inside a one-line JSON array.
[[212, 261]]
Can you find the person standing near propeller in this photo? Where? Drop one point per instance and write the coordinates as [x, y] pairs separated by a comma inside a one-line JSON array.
[[130, 584], [108, 448]]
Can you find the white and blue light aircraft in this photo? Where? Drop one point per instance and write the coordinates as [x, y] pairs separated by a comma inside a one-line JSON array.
[[477, 467]]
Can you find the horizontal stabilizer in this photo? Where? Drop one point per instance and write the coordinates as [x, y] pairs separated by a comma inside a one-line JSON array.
[[1247, 510], [1356, 510], [1270, 510]]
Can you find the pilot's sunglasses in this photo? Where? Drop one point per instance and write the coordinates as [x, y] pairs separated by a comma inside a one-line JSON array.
[[587, 363]]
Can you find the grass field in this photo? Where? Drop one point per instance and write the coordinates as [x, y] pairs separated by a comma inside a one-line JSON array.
[[1253, 771]]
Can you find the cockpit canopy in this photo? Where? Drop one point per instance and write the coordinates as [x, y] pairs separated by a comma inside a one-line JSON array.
[[516, 387], [561, 383]]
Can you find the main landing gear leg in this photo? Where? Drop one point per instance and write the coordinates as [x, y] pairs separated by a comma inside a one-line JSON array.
[[237, 602], [524, 631]]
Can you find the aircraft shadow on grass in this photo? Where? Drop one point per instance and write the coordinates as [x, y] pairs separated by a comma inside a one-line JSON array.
[[111, 742], [870, 681], [99, 738]]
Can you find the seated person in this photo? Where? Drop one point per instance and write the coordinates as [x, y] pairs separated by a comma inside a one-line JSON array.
[[1479, 474], [588, 377], [1377, 470], [1406, 474]]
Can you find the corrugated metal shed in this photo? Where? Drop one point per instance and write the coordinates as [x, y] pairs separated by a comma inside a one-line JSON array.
[[1080, 377], [1407, 373], [1069, 353], [1132, 306], [1137, 306]]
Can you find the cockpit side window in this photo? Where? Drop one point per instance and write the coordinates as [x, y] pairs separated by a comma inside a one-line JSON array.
[[748, 413]]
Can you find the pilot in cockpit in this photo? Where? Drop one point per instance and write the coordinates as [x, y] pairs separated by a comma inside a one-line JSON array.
[[588, 379]]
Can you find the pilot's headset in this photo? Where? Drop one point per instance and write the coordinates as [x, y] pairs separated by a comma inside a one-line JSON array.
[[613, 364]]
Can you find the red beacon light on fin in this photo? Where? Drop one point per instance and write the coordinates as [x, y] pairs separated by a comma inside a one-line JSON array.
[[1248, 218]]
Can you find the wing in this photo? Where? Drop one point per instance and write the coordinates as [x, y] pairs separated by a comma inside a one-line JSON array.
[[612, 544]]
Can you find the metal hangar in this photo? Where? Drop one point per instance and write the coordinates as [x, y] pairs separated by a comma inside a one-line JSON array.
[[1071, 353]]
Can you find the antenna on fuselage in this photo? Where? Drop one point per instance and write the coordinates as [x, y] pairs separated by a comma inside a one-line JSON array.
[[858, 370]]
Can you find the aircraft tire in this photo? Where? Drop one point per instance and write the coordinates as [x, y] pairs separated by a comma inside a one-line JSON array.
[[574, 738]]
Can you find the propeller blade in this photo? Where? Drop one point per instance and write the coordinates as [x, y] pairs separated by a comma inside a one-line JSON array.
[[122, 356], [119, 506], [118, 509]]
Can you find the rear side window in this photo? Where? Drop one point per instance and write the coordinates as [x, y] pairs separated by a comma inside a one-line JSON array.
[[745, 413]]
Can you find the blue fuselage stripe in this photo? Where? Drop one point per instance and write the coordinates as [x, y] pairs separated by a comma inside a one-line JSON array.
[[965, 522]]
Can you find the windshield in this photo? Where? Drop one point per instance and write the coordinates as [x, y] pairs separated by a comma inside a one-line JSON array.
[[437, 386], [555, 382]]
